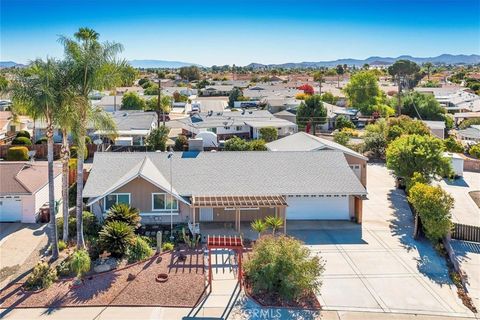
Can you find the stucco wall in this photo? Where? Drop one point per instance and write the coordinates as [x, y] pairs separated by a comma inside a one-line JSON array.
[[363, 167]]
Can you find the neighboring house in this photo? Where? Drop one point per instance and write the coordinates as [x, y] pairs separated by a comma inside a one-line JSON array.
[[216, 90], [454, 99], [24, 190], [471, 133], [133, 127], [244, 124], [437, 128], [287, 115], [226, 186], [113, 103], [10, 125], [460, 116], [302, 141]]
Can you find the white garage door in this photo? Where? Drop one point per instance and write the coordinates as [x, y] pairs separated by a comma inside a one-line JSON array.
[[10, 209], [317, 208]]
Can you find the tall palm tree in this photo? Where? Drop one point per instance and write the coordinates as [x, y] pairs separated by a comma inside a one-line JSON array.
[[94, 67], [34, 91]]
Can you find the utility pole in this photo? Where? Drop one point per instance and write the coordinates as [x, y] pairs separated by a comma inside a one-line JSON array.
[[159, 103]]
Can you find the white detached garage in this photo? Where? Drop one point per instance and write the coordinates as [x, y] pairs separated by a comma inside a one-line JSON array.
[[24, 190]]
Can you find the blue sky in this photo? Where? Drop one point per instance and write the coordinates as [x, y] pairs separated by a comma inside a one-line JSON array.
[[226, 32]]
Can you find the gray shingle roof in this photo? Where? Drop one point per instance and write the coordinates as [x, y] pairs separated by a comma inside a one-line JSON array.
[[230, 173]]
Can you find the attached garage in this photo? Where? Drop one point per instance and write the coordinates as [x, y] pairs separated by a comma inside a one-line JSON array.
[[10, 209], [318, 207]]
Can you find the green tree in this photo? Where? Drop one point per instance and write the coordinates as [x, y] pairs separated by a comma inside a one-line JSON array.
[[318, 77], [128, 74], [342, 121], [274, 223], [162, 108], [3, 83], [341, 137], [423, 106], [403, 72], [94, 66], [269, 134], [157, 139], [415, 153], [35, 88], [433, 205], [452, 145], [235, 94], [363, 92], [257, 145], [340, 71], [132, 101], [259, 226], [328, 97], [428, 66], [189, 73], [237, 144], [311, 111]]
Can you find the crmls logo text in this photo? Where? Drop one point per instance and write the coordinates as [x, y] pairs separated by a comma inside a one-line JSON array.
[[264, 313]]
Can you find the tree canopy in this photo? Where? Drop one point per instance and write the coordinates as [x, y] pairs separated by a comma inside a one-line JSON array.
[[269, 134], [311, 111], [132, 101], [189, 73], [363, 93], [157, 139]]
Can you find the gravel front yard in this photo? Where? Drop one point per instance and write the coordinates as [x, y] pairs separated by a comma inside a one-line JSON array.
[[185, 286]]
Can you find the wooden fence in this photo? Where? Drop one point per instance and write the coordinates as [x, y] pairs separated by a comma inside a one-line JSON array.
[[466, 232]]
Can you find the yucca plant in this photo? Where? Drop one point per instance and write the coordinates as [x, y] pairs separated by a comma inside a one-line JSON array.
[[259, 226], [274, 223], [116, 237], [124, 213]]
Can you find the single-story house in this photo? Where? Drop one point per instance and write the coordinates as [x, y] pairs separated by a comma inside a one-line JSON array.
[[216, 90], [437, 128], [302, 141], [24, 190], [203, 187], [245, 124], [288, 115], [471, 133]]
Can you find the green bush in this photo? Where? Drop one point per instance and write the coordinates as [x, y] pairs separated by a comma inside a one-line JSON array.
[[167, 246], [80, 263], [453, 145], [341, 137], [42, 140], [23, 133], [283, 266], [17, 154], [90, 225], [124, 213], [433, 205], [139, 250], [180, 142], [474, 151], [41, 277], [74, 152], [116, 237], [258, 145], [22, 141], [63, 268], [61, 245]]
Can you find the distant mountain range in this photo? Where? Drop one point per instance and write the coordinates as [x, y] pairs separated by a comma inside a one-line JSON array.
[[441, 59], [160, 64]]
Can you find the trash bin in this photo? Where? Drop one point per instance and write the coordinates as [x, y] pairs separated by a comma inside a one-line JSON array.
[[45, 214]]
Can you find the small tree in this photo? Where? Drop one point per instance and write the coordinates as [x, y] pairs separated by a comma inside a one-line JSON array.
[[274, 223], [415, 153], [283, 266], [157, 139], [341, 137], [307, 89], [433, 205], [259, 226], [235, 94], [269, 134], [132, 101], [237, 144], [343, 122], [312, 112]]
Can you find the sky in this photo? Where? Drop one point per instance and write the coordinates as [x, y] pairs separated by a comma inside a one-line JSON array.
[[240, 32]]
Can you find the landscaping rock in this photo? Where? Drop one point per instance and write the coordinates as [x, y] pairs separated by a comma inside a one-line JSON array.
[[102, 268]]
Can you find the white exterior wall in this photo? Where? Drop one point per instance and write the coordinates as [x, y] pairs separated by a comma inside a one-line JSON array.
[[36, 201], [233, 129]]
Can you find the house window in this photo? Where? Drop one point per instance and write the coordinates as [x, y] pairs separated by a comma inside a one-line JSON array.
[[238, 128], [114, 198], [226, 128], [163, 201]]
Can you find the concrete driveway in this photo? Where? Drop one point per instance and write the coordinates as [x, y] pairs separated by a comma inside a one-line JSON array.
[[378, 266], [21, 245], [465, 210]]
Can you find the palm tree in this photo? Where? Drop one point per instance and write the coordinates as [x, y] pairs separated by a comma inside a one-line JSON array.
[[34, 89], [94, 66], [274, 222], [259, 226], [428, 66]]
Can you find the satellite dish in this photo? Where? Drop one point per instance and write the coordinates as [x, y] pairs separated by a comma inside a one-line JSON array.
[[98, 141]]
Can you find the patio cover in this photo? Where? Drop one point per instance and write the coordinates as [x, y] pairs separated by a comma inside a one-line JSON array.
[[238, 201]]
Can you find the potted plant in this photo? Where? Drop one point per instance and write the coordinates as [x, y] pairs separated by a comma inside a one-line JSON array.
[[80, 265]]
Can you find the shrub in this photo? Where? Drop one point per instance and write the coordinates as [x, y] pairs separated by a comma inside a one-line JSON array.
[[269, 134], [343, 122], [22, 141], [17, 154], [124, 213], [90, 225], [258, 145], [139, 250], [474, 151], [433, 205], [453, 145], [23, 133], [41, 277], [61, 245], [180, 142], [80, 263], [63, 268], [341, 137], [284, 266], [74, 152], [42, 140], [274, 223], [167, 246], [116, 237]]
